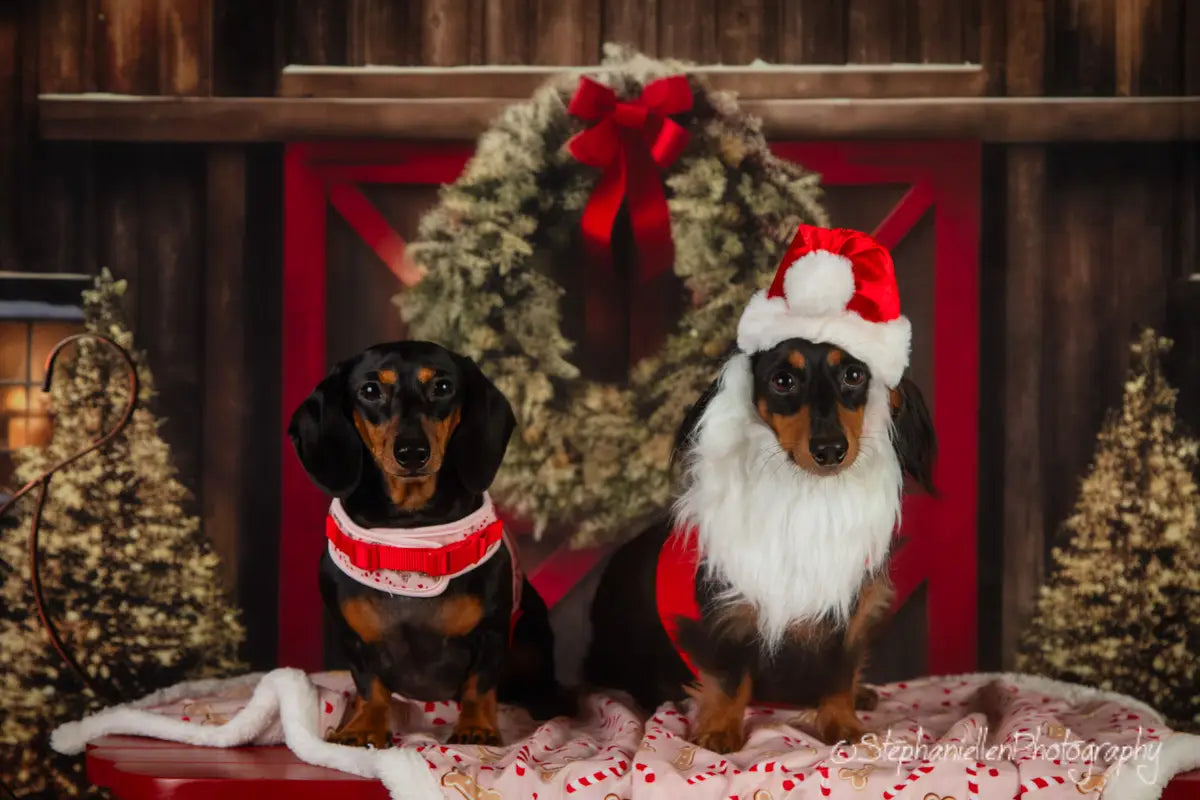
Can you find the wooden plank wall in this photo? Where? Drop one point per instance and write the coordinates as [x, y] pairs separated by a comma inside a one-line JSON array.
[[1093, 238], [196, 232], [1079, 242]]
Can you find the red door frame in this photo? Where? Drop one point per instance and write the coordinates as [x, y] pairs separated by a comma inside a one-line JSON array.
[[315, 175], [940, 536]]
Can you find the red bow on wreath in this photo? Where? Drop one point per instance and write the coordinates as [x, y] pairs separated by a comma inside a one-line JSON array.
[[631, 141]]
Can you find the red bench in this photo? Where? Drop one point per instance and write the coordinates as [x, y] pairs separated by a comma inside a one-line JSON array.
[[133, 768]]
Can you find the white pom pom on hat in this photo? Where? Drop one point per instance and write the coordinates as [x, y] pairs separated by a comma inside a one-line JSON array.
[[819, 283]]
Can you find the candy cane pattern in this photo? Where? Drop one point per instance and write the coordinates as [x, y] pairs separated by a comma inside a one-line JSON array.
[[575, 784], [790, 782], [824, 786], [1033, 784], [443, 749], [720, 768], [973, 780], [647, 774], [909, 779]]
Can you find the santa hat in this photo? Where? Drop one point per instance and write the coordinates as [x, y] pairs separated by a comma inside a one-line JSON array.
[[836, 286]]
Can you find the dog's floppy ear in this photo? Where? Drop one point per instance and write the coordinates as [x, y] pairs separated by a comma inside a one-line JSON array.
[[912, 433], [477, 446], [687, 428], [324, 436]]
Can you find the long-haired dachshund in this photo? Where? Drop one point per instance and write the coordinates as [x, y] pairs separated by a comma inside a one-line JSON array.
[[425, 591], [772, 576]]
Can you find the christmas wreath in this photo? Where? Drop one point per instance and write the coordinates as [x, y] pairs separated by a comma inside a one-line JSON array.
[[640, 150]]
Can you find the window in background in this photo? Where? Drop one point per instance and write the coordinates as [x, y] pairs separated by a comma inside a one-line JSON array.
[[36, 311]]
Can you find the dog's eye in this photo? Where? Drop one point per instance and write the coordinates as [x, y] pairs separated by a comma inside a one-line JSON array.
[[370, 391], [783, 382], [441, 388], [853, 376]]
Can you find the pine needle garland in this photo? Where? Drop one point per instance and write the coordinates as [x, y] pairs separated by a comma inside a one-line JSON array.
[[1121, 610], [588, 454], [130, 580]]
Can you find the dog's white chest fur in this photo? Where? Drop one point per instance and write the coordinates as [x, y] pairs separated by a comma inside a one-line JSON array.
[[795, 545]]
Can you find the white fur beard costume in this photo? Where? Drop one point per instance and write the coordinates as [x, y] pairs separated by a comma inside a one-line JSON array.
[[797, 546]]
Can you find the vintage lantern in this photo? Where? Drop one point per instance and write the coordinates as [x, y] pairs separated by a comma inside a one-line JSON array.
[[36, 311]]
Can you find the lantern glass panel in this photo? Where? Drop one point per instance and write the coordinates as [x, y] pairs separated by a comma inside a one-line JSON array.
[[13, 350], [25, 418], [45, 336]]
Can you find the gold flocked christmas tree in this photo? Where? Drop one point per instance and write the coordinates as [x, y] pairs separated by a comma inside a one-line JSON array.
[[129, 579], [1121, 609]]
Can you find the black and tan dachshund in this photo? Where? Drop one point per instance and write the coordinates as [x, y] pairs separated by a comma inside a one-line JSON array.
[[408, 436], [796, 457]]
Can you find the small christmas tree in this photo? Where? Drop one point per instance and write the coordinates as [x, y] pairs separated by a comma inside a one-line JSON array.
[[1122, 606], [129, 579]]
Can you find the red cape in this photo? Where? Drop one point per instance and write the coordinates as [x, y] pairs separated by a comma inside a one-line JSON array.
[[675, 587]]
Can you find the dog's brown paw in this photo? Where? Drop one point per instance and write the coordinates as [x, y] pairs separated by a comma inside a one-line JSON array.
[[866, 698], [721, 741], [834, 728], [836, 719], [361, 737], [472, 734]]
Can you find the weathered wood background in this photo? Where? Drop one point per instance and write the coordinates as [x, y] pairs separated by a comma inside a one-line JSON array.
[[1080, 242]]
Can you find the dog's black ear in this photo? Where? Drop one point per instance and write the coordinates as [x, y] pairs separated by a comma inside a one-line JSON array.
[[912, 433], [324, 437], [687, 428], [477, 446]]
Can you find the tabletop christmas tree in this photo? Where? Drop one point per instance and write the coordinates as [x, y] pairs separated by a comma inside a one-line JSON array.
[[1121, 607], [130, 581]]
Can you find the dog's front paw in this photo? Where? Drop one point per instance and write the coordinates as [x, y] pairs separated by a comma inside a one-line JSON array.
[[721, 741], [834, 728], [866, 698], [361, 737], [475, 734]]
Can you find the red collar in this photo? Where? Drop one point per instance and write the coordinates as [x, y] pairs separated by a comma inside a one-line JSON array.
[[675, 587], [448, 559]]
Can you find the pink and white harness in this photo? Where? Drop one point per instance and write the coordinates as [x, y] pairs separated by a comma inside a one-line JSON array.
[[419, 562]]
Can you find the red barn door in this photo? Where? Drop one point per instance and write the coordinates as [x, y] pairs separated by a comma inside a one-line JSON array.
[[357, 201]]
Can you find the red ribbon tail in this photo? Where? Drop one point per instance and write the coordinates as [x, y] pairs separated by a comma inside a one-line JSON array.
[[651, 291], [603, 295], [631, 142], [650, 218]]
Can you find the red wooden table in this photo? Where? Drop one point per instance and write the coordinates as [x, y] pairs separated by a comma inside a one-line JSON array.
[[141, 769]]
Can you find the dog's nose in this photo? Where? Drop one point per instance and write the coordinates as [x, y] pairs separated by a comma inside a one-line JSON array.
[[828, 451], [412, 455]]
